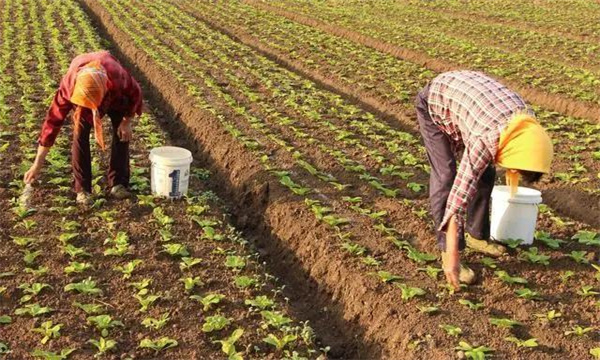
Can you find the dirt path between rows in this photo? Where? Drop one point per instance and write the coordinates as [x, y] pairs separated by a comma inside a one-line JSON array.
[[321, 284], [553, 102]]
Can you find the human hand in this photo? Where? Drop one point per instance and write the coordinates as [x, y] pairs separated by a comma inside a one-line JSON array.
[[33, 173], [124, 131], [451, 269]]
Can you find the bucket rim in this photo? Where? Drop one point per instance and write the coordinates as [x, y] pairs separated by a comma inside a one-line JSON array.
[[524, 195]]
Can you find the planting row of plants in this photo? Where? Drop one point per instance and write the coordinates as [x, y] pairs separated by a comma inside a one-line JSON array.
[[392, 81], [142, 278], [567, 17], [567, 80], [266, 108]]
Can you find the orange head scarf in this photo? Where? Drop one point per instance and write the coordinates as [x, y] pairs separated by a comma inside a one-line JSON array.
[[524, 145], [91, 85]]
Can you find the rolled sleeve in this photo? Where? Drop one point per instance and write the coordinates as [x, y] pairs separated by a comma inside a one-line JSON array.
[[475, 160], [55, 117]]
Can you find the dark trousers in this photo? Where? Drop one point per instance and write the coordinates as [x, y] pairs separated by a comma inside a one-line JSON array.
[[443, 171], [81, 158]]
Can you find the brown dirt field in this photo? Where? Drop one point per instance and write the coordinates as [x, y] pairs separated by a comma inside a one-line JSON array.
[[355, 314]]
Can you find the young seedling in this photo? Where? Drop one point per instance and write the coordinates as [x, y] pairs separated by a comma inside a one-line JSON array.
[[579, 256], [595, 352], [409, 292], [566, 275], [215, 323], [33, 310], [472, 352], [280, 343], [74, 251], [587, 291], [244, 282], [428, 309], [260, 302], [188, 262], [579, 331], [534, 257], [47, 355], [549, 316], [161, 218], [545, 238], [235, 262], [142, 286], [189, 283], [431, 271], [146, 301], [65, 238], [530, 343], [160, 344], [30, 256], [209, 300], [228, 345], [513, 243], [209, 233], [165, 235], [505, 277], [528, 294], [40, 271], [121, 245], [5, 319], [451, 330], [32, 290], [48, 330], [587, 238], [504, 323], [597, 274], [128, 268], [471, 305], [89, 309], [86, 286], [77, 267], [176, 250], [23, 241], [104, 323], [419, 257], [387, 277], [103, 346], [370, 261], [274, 319], [354, 249], [4, 349], [156, 324], [489, 262], [146, 200]]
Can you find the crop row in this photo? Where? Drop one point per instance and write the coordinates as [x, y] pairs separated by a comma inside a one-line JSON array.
[[526, 70], [87, 279], [214, 68], [393, 81]]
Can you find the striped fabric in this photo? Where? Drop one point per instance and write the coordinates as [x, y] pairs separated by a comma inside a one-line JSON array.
[[472, 109]]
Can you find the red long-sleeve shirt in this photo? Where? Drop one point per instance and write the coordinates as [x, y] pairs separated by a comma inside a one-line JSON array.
[[124, 95]]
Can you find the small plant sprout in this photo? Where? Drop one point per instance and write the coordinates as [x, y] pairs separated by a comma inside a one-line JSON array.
[[156, 323], [104, 323], [472, 352], [65, 238], [260, 302], [387, 277], [431, 271], [504, 323], [244, 282], [579, 331], [189, 283], [30, 256], [597, 274], [545, 238], [370, 261], [103, 346], [161, 218], [235, 262], [566, 275], [120, 245], [47, 355], [146, 301], [188, 262], [5, 319], [76, 267], [428, 309], [587, 238], [165, 235], [409, 292], [146, 200], [354, 249], [274, 319], [280, 343], [579, 256], [33, 310], [471, 305], [528, 294], [505, 277], [512, 243], [530, 343], [549, 316], [451, 330], [489, 262], [533, 256], [209, 233], [86, 286], [209, 300], [74, 251], [90, 309], [48, 330], [587, 291], [128, 268], [595, 352], [419, 257], [160, 344], [228, 345], [215, 323], [176, 250], [142, 286], [32, 290]]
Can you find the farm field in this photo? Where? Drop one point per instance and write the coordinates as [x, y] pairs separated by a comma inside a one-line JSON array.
[[306, 233]]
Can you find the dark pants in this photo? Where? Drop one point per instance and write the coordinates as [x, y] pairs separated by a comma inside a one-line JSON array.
[[443, 171], [118, 170]]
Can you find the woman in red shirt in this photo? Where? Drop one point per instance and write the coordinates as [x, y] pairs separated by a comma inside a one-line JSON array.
[[95, 85]]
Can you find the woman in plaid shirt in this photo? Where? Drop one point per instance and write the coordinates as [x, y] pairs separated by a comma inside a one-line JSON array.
[[470, 113]]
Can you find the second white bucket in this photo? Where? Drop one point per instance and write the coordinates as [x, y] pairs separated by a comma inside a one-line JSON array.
[[170, 175], [516, 217]]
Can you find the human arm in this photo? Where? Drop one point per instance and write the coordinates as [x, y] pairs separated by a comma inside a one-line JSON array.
[[55, 117], [452, 256]]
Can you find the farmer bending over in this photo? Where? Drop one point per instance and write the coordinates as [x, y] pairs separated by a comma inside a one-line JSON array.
[[95, 85], [470, 112]]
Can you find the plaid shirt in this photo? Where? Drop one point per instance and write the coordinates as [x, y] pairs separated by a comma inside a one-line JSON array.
[[472, 109]]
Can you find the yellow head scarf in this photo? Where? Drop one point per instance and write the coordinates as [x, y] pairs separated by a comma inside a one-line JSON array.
[[91, 85], [524, 145]]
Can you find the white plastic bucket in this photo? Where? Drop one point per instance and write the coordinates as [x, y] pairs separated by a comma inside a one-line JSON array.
[[516, 217], [170, 175]]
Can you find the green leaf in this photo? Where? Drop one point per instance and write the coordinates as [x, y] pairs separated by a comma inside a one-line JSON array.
[[504, 322]]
